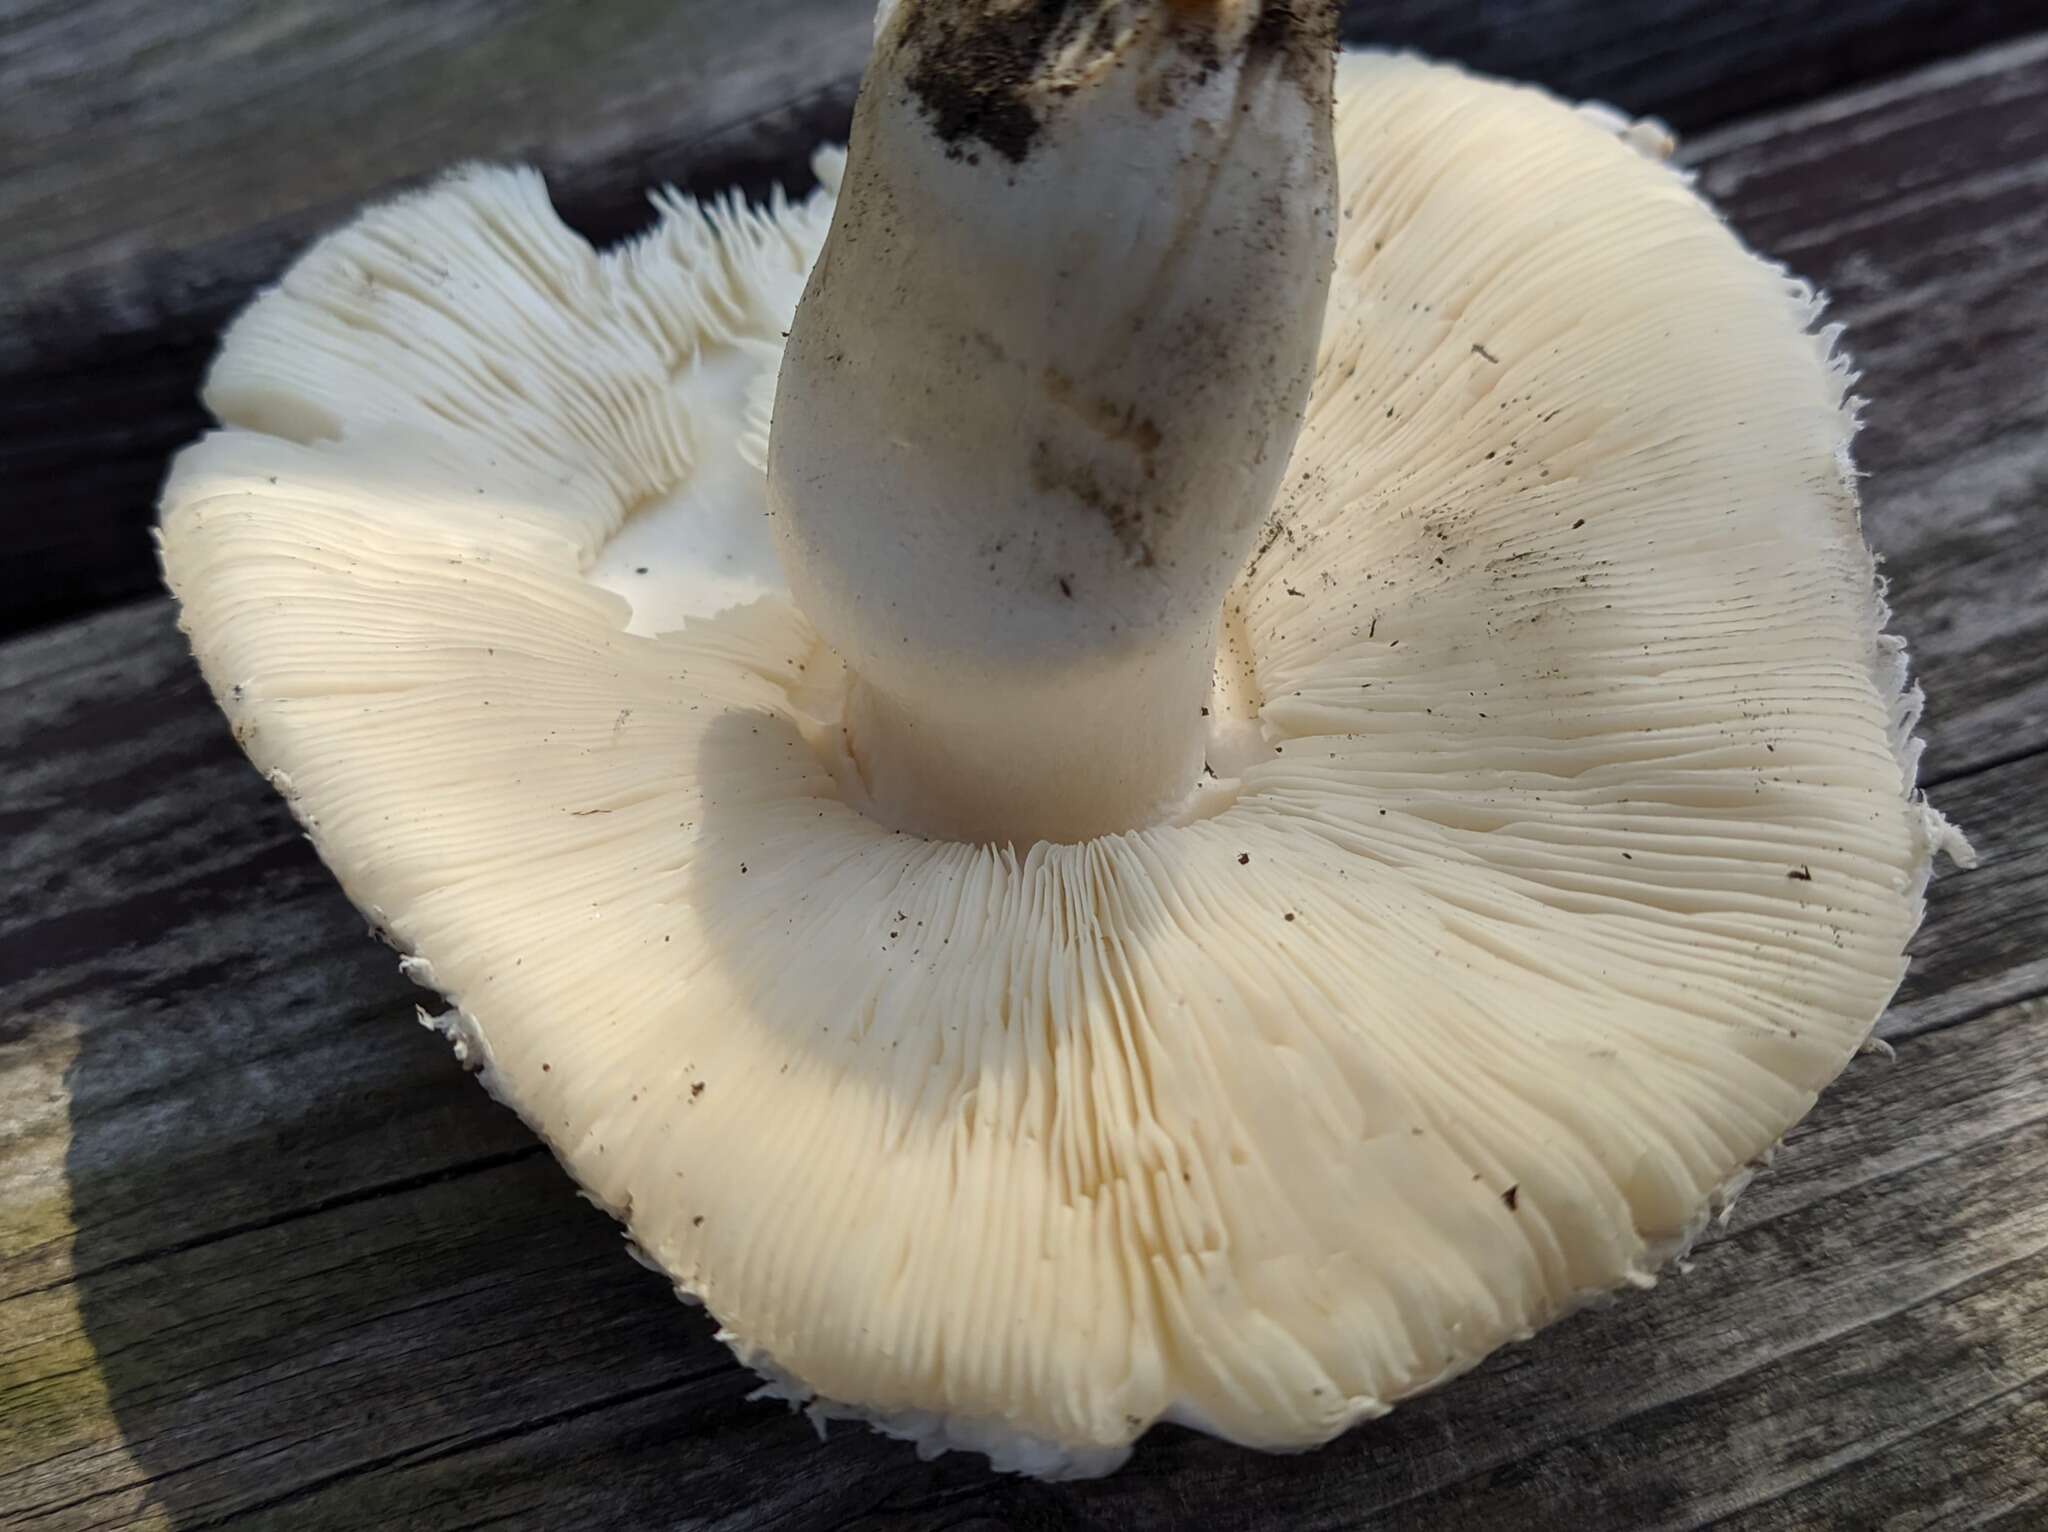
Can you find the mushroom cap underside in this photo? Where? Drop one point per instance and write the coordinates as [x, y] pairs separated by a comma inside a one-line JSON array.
[[1577, 852]]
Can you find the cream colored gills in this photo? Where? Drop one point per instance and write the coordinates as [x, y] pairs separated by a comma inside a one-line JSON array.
[[1575, 846]]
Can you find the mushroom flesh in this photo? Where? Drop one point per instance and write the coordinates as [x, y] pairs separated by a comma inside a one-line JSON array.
[[1284, 764]]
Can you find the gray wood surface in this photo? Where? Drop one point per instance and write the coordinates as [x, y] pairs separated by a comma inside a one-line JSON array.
[[159, 162], [267, 1259]]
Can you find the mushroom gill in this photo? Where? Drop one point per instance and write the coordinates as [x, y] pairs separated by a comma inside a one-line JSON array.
[[1569, 848]]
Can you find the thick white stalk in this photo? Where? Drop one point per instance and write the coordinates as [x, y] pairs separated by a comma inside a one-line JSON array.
[[1041, 389]]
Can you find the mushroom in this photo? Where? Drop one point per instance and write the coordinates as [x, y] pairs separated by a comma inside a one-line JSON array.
[[1042, 917]]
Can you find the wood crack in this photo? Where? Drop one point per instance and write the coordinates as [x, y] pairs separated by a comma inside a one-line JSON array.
[[353, 1198], [1977, 768], [446, 1447], [1890, 1444]]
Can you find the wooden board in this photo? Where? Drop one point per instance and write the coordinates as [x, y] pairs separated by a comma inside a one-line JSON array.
[[268, 1259], [160, 163]]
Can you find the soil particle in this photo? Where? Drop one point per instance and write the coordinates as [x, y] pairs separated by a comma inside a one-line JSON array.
[[976, 65]]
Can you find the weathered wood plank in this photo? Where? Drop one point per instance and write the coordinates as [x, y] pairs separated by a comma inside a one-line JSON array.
[[151, 889], [157, 164], [267, 1259], [1979, 1468], [136, 130], [1900, 1287]]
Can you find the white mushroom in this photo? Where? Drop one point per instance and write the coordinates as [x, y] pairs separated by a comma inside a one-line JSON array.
[[1561, 842]]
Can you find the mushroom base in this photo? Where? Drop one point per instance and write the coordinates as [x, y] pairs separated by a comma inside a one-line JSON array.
[[1060, 762]]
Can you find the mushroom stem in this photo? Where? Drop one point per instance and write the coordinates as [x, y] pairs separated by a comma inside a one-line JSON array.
[[1041, 390]]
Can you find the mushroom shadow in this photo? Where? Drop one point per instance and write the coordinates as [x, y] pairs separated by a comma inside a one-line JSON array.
[[744, 846]]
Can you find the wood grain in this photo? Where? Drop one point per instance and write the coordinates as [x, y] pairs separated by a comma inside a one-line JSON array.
[[267, 1259], [158, 164]]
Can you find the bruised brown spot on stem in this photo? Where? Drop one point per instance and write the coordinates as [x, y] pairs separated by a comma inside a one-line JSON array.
[[1054, 473], [1126, 493], [1112, 422]]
